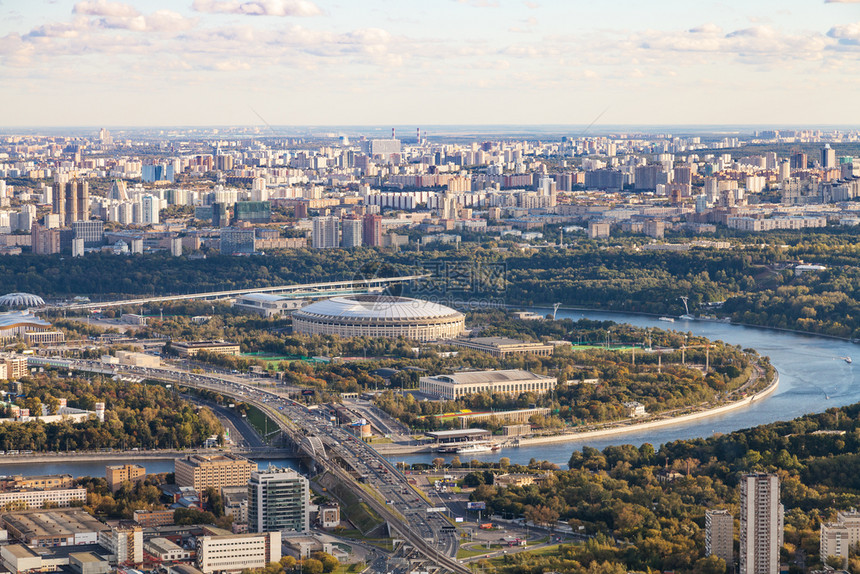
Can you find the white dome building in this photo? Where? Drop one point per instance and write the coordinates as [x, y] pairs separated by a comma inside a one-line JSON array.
[[21, 300], [379, 316]]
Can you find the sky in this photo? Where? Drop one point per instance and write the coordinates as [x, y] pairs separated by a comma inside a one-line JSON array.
[[430, 62]]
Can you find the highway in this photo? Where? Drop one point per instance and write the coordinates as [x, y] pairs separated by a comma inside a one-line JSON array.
[[371, 476]]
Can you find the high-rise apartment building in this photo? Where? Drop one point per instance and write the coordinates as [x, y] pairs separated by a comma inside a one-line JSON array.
[[351, 232], [720, 535], [372, 234], [149, 210], [325, 232], [278, 499], [799, 160], [761, 524], [828, 157], [44, 241], [202, 471]]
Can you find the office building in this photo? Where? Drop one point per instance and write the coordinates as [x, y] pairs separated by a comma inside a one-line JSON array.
[[237, 240], [351, 232], [720, 535], [372, 232], [325, 232], [761, 524], [508, 382], [152, 173], [235, 552], [119, 473], [188, 349], [202, 471], [278, 499], [840, 536], [828, 157], [91, 232], [253, 211]]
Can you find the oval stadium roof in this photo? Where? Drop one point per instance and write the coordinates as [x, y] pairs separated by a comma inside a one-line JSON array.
[[381, 307], [21, 300]]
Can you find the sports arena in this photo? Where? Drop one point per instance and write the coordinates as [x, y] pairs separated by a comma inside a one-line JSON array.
[[379, 316]]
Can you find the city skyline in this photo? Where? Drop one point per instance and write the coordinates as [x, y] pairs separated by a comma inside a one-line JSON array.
[[303, 62]]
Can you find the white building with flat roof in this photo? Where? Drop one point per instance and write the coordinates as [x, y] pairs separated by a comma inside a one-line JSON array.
[[267, 305], [236, 552], [508, 382]]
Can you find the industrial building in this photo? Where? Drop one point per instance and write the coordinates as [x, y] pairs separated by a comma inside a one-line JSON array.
[[47, 528]]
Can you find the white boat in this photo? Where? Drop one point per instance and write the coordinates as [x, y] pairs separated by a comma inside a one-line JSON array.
[[667, 319], [474, 448], [848, 360], [686, 317]]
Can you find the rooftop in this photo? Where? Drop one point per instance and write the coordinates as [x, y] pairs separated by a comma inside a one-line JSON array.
[[20, 318], [479, 377], [496, 341], [263, 297], [52, 523], [458, 433], [378, 307]]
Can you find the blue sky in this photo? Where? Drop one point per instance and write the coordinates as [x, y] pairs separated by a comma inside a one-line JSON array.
[[321, 62]]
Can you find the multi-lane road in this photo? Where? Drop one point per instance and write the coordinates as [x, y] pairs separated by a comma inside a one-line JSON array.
[[371, 476]]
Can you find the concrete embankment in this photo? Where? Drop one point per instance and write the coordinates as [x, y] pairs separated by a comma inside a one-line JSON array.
[[647, 425], [617, 429]]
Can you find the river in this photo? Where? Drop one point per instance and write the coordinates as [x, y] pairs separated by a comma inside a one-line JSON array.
[[813, 378]]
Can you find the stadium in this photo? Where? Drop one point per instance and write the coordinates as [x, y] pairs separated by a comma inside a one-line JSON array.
[[379, 316]]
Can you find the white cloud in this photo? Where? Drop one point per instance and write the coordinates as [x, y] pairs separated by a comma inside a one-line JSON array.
[[168, 21], [258, 7], [480, 3], [842, 1], [848, 33], [104, 8]]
